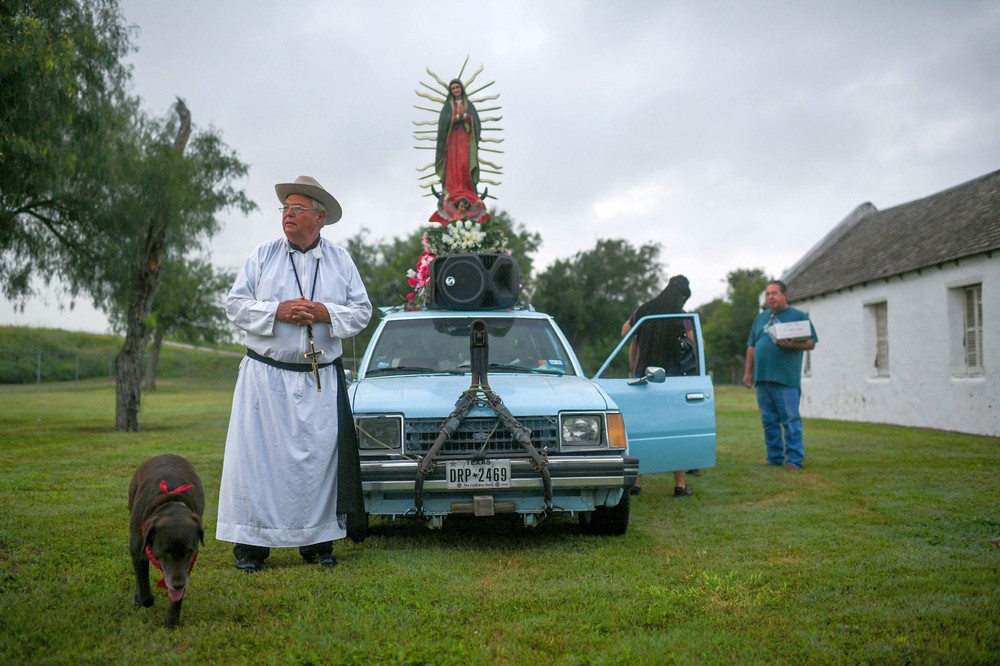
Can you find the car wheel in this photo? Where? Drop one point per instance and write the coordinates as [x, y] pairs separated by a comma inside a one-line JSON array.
[[608, 520]]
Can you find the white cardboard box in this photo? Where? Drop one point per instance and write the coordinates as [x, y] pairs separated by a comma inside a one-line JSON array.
[[792, 330]]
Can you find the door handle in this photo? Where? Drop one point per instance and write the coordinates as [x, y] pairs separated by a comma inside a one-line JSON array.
[[691, 397]]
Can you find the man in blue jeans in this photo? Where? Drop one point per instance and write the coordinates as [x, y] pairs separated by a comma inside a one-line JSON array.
[[775, 365]]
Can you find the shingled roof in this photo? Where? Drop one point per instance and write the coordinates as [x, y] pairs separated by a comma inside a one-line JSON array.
[[870, 244]]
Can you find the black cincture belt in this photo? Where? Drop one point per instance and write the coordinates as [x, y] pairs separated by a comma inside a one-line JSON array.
[[294, 367]]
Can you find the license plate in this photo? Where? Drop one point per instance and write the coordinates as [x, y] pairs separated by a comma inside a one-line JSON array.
[[492, 473]]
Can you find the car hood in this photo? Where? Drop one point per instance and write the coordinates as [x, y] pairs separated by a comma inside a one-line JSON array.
[[430, 396]]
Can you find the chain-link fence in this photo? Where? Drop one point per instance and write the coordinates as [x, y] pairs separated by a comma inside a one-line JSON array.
[[43, 367], [19, 367]]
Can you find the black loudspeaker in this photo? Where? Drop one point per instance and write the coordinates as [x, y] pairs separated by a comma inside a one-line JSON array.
[[473, 282]]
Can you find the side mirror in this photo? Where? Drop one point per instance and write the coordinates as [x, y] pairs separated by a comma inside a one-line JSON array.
[[654, 374]]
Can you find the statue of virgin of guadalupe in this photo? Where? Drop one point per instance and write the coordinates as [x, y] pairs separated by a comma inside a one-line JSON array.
[[456, 159], [458, 139]]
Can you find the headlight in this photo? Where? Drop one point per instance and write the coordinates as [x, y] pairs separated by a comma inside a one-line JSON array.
[[379, 432], [581, 430]]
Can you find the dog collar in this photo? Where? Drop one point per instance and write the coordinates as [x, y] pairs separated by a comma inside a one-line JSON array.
[[149, 550]]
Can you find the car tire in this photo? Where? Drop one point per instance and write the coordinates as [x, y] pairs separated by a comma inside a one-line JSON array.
[[608, 520]]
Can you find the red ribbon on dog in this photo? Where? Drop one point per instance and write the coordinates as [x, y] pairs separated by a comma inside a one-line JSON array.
[[149, 551], [176, 491]]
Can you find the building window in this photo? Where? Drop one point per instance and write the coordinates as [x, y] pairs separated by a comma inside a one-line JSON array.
[[881, 339], [972, 339], [877, 338]]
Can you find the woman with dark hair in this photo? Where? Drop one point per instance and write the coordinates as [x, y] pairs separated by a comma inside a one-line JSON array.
[[658, 343], [456, 159]]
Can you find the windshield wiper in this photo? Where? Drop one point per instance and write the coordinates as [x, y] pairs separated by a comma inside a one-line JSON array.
[[506, 367], [411, 370], [537, 370]]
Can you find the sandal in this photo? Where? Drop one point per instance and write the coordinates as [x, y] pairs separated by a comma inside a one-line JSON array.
[[683, 491]]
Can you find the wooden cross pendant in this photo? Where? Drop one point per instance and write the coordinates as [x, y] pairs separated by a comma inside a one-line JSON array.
[[312, 356]]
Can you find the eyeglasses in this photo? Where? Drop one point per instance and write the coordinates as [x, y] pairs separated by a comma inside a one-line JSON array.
[[295, 208]]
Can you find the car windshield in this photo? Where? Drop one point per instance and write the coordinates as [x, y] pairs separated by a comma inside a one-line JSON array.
[[441, 345]]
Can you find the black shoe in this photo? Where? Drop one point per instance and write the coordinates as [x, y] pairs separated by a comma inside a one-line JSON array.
[[683, 491], [695, 472], [248, 565], [324, 560]]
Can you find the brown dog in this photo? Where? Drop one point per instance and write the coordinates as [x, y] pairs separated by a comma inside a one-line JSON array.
[[167, 499]]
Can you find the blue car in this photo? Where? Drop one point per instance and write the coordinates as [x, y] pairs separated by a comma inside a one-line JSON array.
[[487, 412]]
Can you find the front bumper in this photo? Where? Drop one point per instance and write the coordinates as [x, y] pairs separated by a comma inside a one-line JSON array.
[[579, 483]]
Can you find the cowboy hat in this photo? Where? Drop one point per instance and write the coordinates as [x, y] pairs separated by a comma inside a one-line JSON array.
[[308, 186]]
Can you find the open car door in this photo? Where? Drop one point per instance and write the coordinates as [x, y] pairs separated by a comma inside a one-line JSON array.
[[669, 416]]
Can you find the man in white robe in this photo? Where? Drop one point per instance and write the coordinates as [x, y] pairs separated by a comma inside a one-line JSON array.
[[291, 444]]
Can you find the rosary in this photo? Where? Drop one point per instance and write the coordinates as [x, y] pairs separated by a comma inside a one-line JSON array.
[[313, 354]]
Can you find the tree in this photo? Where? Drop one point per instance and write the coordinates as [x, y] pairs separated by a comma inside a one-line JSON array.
[[64, 81], [166, 201], [725, 323], [593, 293], [91, 190], [145, 272]]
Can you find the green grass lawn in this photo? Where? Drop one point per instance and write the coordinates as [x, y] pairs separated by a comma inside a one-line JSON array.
[[880, 552]]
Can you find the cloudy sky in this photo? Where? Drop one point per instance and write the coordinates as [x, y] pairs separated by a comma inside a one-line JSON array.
[[735, 134]]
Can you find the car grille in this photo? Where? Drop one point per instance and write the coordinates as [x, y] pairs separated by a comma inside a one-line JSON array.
[[481, 434]]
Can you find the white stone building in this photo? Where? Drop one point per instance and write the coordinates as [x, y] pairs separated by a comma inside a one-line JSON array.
[[906, 303]]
